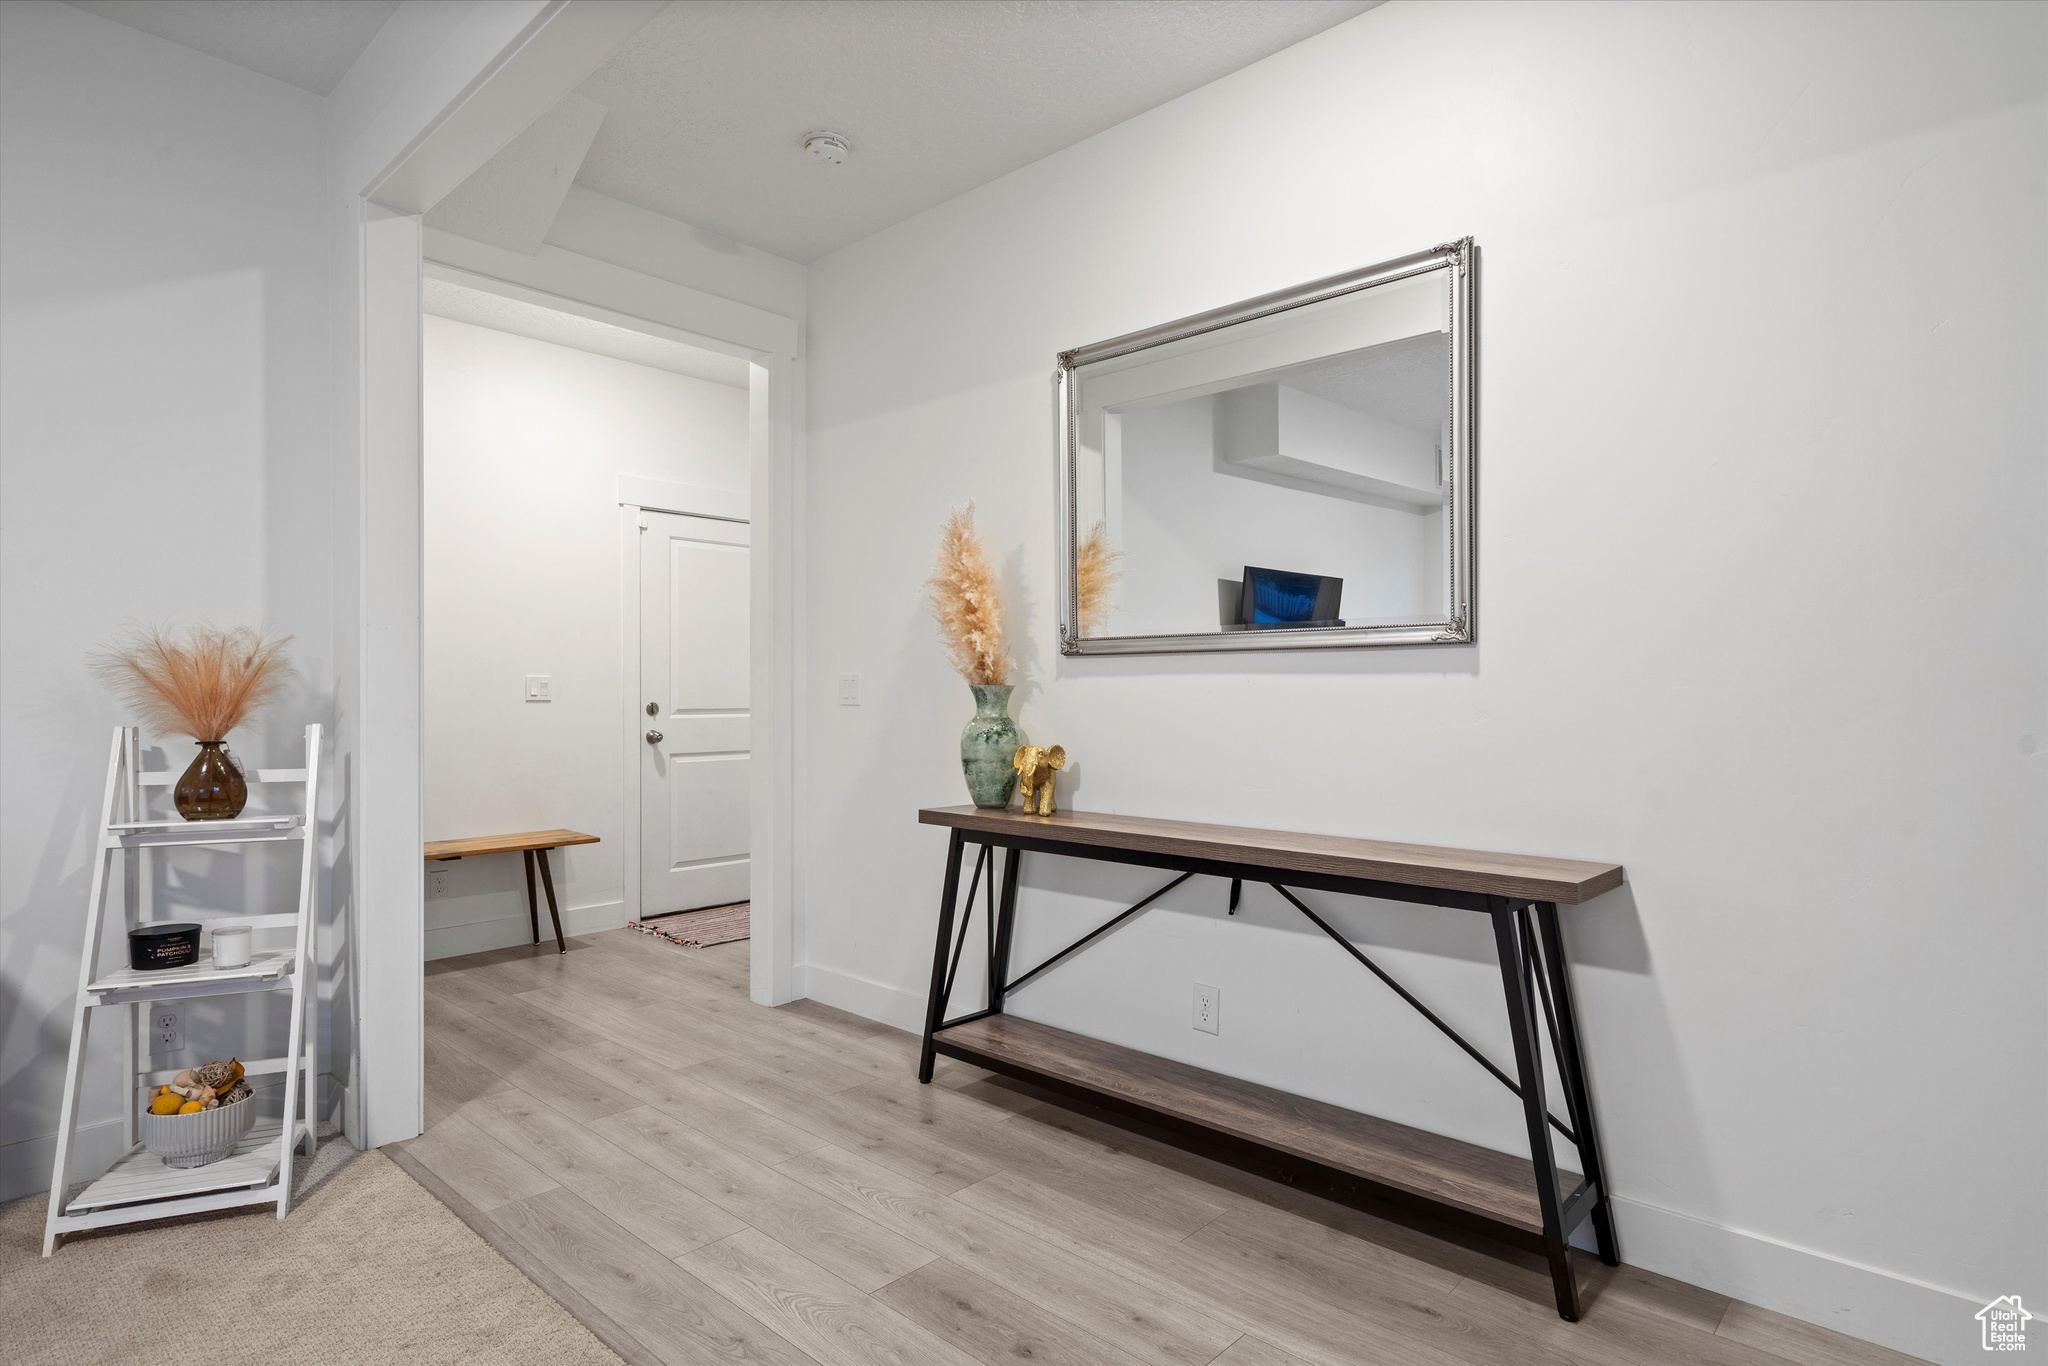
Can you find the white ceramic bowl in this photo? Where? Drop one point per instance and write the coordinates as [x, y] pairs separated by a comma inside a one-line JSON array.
[[196, 1139]]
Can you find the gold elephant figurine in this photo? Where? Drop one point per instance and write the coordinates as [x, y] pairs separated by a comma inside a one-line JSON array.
[[1035, 767]]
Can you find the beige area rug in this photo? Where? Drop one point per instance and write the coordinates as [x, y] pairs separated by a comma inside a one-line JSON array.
[[370, 1268], [695, 929]]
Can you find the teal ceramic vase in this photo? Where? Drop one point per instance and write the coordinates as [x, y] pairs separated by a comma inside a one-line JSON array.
[[988, 743]]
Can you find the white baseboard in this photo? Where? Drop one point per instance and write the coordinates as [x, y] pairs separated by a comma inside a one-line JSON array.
[[1907, 1315], [1865, 1302], [859, 996], [25, 1165], [504, 931]]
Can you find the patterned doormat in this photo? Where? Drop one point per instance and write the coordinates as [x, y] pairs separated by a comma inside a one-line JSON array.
[[695, 929]]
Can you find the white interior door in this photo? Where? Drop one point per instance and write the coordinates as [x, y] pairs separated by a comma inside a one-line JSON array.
[[694, 786]]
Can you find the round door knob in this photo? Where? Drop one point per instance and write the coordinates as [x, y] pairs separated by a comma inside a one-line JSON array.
[[653, 737]]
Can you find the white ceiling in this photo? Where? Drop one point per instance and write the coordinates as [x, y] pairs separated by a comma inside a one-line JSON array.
[[710, 101], [446, 299], [307, 43]]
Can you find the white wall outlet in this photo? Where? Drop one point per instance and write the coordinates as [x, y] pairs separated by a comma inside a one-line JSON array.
[[849, 690], [1208, 1005], [166, 1029], [437, 882], [539, 686]]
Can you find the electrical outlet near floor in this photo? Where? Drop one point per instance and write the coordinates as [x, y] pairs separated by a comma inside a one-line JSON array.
[[166, 1029], [437, 882], [1208, 1003]]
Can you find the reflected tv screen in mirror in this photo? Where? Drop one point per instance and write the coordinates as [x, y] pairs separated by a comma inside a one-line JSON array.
[[1275, 597]]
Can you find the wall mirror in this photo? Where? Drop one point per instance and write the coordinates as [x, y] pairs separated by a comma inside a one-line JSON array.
[[1292, 472]]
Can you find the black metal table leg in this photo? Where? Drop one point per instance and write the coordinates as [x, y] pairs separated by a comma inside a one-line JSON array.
[[935, 1004], [1572, 1072], [1006, 919], [1515, 972], [532, 904], [547, 883]]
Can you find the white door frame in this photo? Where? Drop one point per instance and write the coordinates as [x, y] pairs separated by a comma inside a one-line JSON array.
[[383, 796], [402, 137], [393, 693], [504, 66], [771, 492]]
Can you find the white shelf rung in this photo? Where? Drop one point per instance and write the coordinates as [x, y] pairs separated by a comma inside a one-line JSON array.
[[281, 821], [240, 830], [117, 1215], [186, 915], [160, 839], [260, 1067], [266, 972], [142, 1176]]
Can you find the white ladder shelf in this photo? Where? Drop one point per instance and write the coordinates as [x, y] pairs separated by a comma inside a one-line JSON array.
[[139, 1186]]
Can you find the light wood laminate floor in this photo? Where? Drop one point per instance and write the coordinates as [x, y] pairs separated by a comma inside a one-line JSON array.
[[700, 1179]]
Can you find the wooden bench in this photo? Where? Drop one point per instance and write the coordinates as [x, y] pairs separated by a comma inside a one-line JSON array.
[[532, 843]]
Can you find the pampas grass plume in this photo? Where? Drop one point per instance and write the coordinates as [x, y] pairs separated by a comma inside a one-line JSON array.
[[1096, 573], [202, 682], [962, 593]]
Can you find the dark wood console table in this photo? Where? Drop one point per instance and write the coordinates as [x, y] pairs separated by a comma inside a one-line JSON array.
[[1334, 1152]]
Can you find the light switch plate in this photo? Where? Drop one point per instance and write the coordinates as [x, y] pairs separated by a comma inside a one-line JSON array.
[[539, 686], [1208, 1008], [849, 690]]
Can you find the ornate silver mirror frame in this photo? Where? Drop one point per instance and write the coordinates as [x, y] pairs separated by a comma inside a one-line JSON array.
[[1459, 624]]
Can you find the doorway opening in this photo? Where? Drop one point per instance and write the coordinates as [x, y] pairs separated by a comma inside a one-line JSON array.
[[586, 653]]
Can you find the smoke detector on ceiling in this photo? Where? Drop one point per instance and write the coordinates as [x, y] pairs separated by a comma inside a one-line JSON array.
[[827, 147]]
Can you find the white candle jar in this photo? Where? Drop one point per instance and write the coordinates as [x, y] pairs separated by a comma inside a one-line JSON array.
[[231, 946]]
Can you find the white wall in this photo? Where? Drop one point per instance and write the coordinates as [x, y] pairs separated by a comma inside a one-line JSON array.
[[1760, 607], [164, 410], [525, 442]]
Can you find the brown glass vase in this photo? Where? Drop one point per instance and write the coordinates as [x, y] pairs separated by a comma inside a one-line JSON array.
[[212, 789]]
